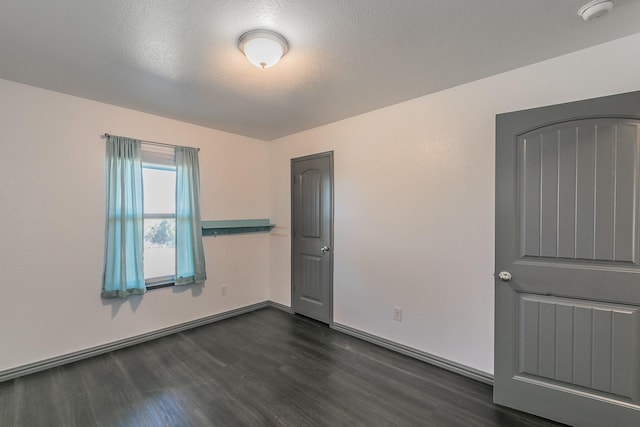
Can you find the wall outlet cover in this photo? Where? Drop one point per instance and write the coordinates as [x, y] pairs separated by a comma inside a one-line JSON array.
[[397, 314]]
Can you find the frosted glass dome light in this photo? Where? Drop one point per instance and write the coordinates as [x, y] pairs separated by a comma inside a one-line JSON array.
[[263, 48]]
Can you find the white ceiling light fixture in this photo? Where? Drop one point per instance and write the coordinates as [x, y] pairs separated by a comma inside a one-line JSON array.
[[595, 9], [263, 48]]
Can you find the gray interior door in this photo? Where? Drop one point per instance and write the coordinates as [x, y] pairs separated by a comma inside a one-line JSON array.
[[312, 236], [567, 208]]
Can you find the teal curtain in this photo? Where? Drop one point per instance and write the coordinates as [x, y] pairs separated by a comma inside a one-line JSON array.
[[123, 269], [190, 266]]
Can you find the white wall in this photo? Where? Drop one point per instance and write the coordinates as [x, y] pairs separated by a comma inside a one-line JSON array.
[[52, 225], [414, 201]]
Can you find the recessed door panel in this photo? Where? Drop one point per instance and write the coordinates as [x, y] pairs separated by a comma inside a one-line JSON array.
[[577, 191], [311, 206], [579, 343], [311, 275]]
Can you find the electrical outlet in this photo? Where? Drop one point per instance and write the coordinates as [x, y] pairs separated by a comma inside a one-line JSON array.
[[397, 314], [223, 290]]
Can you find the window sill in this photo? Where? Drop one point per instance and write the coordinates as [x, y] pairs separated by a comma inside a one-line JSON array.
[[160, 282], [159, 286]]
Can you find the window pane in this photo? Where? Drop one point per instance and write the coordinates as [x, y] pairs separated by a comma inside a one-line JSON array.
[[159, 247], [159, 191]]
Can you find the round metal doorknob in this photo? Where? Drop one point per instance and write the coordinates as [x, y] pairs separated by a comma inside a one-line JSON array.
[[505, 276], [324, 249]]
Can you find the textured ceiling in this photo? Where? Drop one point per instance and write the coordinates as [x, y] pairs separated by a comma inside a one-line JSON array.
[[178, 58]]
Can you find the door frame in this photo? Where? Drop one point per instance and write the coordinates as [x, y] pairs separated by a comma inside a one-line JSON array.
[[295, 160]]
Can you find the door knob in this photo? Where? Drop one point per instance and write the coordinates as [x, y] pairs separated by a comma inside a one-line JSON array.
[[505, 276], [324, 249]]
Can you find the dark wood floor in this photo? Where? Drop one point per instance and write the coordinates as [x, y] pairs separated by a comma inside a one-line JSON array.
[[265, 368]]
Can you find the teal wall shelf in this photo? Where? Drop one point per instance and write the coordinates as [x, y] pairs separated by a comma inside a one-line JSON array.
[[239, 226]]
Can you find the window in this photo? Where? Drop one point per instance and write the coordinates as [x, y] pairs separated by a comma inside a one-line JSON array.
[[153, 235], [159, 209]]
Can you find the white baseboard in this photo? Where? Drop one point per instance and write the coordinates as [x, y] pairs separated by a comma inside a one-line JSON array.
[[441, 362], [281, 307]]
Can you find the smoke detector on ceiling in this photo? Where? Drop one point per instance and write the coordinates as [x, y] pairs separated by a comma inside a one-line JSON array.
[[595, 9]]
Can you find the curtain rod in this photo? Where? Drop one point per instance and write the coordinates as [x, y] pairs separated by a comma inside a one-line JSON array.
[[105, 135]]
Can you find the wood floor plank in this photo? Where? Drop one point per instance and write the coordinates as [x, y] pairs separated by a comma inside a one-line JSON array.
[[11, 394], [265, 368]]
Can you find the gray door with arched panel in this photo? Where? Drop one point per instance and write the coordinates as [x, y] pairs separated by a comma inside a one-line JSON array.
[[567, 333], [312, 236]]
